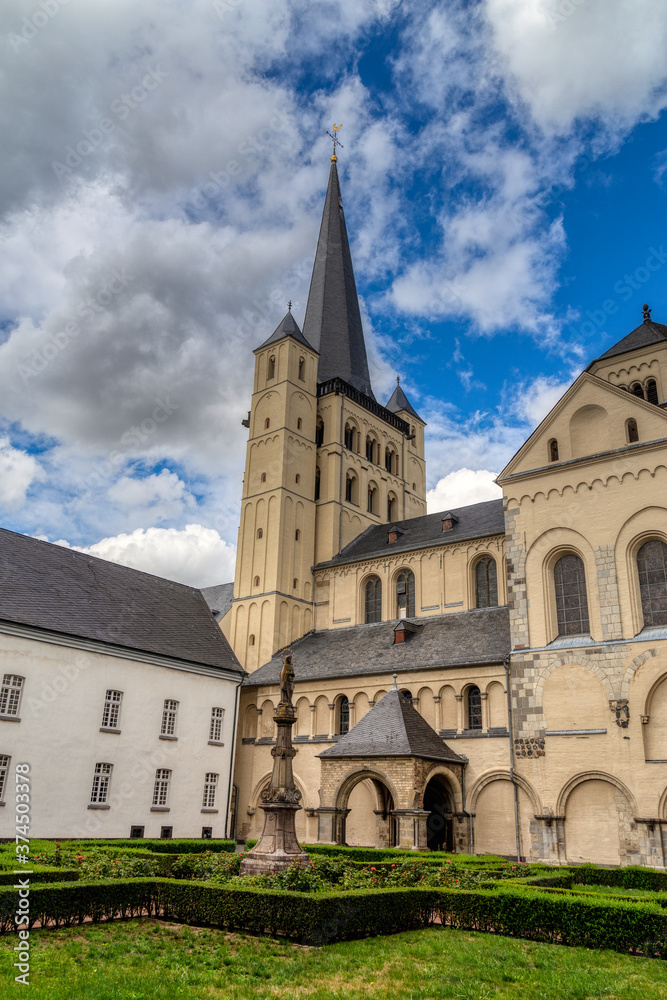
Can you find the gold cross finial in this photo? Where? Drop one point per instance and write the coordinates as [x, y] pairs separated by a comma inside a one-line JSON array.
[[336, 141]]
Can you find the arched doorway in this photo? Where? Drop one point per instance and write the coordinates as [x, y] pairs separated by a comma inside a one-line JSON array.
[[438, 803], [367, 821]]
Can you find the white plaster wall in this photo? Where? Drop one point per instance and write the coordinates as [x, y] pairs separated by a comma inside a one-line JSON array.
[[59, 736]]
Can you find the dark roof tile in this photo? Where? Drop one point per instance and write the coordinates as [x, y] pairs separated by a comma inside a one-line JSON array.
[[46, 586], [642, 336]]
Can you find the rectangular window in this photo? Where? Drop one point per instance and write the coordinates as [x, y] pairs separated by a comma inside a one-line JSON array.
[[166, 832], [10, 694], [136, 832], [111, 713], [210, 786], [101, 780], [215, 732], [161, 788], [169, 718], [206, 832], [4, 770]]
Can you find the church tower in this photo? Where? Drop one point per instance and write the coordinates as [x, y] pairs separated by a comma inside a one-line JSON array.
[[324, 461]]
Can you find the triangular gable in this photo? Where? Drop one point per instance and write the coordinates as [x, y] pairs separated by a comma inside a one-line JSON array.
[[601, 427]]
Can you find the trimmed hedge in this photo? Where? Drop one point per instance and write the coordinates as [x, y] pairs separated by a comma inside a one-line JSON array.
[[373, 854], [630, 877], [321, 918], [41, 875], [184, 846]]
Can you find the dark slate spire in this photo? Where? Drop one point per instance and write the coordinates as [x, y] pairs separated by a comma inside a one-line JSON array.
[[287, 328], [333, 322], [393, 728], [399, 401]]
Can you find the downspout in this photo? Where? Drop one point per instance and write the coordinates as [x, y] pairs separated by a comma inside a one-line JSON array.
[[233, 761], [236, 813], [342, 472], [471, 839], [517, 831]]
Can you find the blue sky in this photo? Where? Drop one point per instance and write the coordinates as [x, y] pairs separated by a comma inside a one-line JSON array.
[[504, 175]]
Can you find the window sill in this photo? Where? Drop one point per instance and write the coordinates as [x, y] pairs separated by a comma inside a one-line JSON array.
[[163, 736], [9, 718], [574, 732], [217, 743], [109, 729], [206, 810], [160, 809], [98, 805]]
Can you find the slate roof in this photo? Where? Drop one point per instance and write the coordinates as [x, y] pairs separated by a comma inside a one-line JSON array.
[[459, 639], [333, 321], [288, 327], [219, 598], [643, 336], [399, 401], [475, 521], [392, 728], [50, 587]]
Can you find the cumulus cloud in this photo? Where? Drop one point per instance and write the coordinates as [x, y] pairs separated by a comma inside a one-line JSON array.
[[18, 471], [463, 487], [194, 555]]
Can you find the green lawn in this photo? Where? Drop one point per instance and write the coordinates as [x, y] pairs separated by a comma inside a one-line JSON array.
[[151, 960]]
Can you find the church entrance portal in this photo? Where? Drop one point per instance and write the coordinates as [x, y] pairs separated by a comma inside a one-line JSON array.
[[438, 803]]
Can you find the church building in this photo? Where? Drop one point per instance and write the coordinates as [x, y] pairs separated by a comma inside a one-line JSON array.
[[491, 678]]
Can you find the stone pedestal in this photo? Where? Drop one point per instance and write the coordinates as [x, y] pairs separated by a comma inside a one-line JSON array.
[[277, 848]]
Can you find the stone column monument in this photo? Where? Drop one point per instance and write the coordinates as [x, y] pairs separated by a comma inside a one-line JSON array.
[[278, 847]]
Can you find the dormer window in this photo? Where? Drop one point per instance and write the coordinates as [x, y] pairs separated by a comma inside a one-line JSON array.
[[448, 521], [393, 534], [404, 631]]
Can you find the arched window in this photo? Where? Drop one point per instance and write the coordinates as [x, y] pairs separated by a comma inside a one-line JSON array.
[[652, 391], [297, 535], [297, 479], [343, 720], [295, 583], [571, 602], [474, 706], [351, 488], [267, 424], [370, 448], [350, 437], [257, 581], [390, 460], [637, 390], [405, 594], [392, 507], [251, 640], [372, 500], [652, 567], [486, 583], [373, 600], [632, 430], [407, 695], [260, 532], [319, 433], [263, 477], [271, 369], [299, 424], [317, 483], [302, 369], [553, 450]]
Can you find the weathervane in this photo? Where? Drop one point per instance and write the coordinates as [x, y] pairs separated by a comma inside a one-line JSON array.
[[336, 140]]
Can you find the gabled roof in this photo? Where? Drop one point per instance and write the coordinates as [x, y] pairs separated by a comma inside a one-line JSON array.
[[52, 588], [288, 327], [476, 521], [399, 401], [392, 728], [219, 598], [333, 321], [642, 336], [459, 639]]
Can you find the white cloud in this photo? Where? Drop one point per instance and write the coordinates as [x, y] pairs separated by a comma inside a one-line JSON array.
[[575, 59], [18, 470], [194, 555], [463, 487]]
